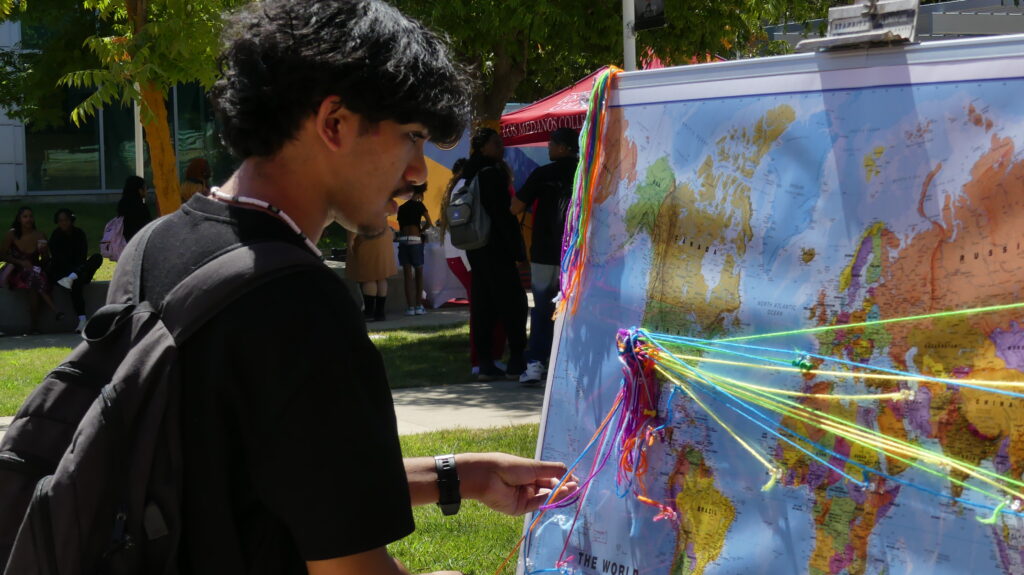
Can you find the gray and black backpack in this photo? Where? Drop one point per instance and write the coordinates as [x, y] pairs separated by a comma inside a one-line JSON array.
[[468, 221], [90, 468]]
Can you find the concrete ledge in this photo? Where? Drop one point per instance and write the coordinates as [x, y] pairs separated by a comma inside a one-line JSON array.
[[14, 314]]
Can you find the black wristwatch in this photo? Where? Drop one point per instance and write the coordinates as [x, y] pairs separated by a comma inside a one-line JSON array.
[[449, 497]]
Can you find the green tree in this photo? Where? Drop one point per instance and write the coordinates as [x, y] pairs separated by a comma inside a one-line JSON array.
[[136, 51], [529, 48], [51, 47]]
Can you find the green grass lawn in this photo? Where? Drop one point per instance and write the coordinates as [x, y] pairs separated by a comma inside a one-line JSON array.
[[22, 370], [414, 358], [476, 540], [425, 356]]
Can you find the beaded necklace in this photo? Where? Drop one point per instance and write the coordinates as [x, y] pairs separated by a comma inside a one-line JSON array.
[[274, 210]]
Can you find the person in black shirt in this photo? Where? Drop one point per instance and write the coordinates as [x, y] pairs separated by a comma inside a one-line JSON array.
[[411, 218], [132, 206], [496, 292], [70, 261], [550, 186], [291, 456]]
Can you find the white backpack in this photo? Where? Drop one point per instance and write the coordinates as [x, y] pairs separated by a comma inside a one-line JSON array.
[[113, 241]]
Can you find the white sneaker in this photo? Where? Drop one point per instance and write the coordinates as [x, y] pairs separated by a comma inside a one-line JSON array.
[[420, 310], [65, 282], [534, 374], [81, 325], [410, 311]]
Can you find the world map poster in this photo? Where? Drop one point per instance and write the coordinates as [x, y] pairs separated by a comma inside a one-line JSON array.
[[812, 279]]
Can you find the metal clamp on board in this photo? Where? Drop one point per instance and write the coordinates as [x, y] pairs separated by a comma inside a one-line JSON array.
[[868, 22]]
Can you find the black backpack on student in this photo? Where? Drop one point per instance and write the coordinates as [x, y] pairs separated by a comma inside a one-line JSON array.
[[90, 468], [468, 222]]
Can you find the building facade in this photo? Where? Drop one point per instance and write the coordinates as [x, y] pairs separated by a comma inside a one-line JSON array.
[[94, 159]]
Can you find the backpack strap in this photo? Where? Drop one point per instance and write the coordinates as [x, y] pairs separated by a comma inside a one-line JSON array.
[[227, 277], [127, 287], [140, 252]]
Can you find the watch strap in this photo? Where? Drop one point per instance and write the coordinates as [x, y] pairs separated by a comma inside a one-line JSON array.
[[449, 495]]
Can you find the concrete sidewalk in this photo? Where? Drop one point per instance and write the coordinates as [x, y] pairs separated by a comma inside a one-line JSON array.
[[444, 316], [419, 410], [468, 406]]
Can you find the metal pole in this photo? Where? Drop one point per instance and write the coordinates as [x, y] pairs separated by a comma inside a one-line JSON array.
[[628, 35], [174, 105], [140, 164], [103, 152]]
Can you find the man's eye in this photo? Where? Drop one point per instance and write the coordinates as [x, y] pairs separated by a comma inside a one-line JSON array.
[[417, 137]]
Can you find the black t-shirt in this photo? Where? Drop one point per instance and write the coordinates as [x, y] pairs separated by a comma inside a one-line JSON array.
[[67, 252], [411, 213], [291, 448], [551, 186]]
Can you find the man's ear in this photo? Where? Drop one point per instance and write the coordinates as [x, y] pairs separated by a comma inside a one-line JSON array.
[[336, 125]]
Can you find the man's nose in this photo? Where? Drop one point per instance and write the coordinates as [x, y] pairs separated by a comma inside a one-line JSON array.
[[416, 171]]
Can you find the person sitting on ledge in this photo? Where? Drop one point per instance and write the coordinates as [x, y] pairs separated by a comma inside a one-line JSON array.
[[24, 248], [70, 261]]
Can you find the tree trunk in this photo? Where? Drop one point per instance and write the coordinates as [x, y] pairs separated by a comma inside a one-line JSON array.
[[508, 73], [162, 157], [161, 151]]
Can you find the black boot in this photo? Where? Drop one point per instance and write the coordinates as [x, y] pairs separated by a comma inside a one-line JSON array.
[[381, 309], [368, 301]]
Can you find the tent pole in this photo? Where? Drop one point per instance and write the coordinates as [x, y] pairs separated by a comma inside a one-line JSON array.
[[628, 35]]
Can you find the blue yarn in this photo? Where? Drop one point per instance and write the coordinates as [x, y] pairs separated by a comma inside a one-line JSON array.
[[694, 342], [716, 389], [713, 393]]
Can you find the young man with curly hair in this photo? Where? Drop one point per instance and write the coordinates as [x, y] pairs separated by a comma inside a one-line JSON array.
[[292, 460]]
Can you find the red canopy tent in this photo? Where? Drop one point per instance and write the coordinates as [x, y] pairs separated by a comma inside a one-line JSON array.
[[566, 108]]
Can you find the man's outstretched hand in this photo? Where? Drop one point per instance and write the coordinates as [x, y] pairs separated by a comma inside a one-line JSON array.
[[510, 484]]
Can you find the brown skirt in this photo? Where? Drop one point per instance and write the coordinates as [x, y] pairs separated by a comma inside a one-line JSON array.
[[371, 259]]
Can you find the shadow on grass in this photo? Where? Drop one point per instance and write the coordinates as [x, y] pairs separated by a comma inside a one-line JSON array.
[[425, 356]]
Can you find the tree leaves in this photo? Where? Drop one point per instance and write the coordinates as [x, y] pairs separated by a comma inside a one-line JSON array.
[[557, 43], [178, 44]]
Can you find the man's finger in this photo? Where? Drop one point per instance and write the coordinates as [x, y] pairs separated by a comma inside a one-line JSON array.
[[533, 503], [529, 471]]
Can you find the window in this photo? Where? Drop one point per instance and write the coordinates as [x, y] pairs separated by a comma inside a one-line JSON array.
[[66, 157]]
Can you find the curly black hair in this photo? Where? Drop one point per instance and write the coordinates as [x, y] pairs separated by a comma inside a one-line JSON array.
[[281, 58]]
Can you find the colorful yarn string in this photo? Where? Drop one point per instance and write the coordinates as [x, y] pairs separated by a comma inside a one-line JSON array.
[[627, 431], [633, 424], [825, 328], [574, 242], [758, 404], [853, 433], [776, 473]]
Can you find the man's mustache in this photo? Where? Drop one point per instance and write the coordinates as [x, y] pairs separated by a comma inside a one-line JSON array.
[[403, 193]]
